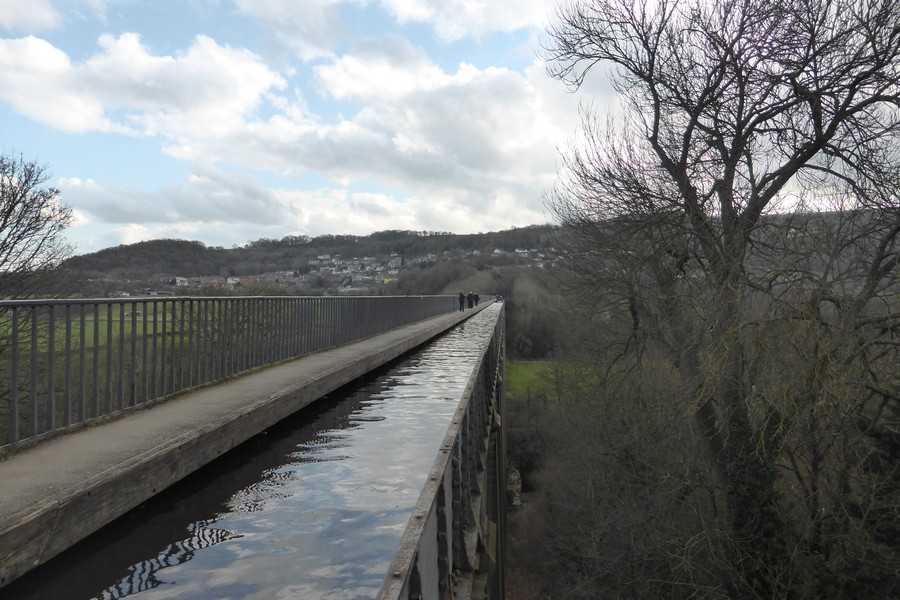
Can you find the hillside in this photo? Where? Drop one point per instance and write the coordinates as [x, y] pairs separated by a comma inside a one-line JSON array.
[[322, 262]]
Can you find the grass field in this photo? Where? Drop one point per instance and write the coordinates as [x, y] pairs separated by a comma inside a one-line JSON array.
[[99, 325], [528, 378]]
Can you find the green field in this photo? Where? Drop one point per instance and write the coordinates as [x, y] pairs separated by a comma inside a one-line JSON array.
[[528, 378], [99, 325]]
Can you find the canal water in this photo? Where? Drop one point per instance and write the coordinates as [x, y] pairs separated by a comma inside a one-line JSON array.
[[312, 508]]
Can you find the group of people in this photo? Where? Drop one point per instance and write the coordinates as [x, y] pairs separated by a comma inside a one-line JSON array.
[[471, 299]]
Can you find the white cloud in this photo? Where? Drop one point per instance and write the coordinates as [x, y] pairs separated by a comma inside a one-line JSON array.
[[457, 19], [483, 141], [340, 211], [208, 195], [383, 71], [416, 145], [133, 233], [421, 129], [474, 129], [124, 88], [221, 209], [212, 206], [39, 81], [28, 15], [100, 7], [310, 27], [200, 92]]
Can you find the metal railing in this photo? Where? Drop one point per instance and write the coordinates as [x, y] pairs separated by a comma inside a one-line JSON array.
[[67, 362], [452, 547]]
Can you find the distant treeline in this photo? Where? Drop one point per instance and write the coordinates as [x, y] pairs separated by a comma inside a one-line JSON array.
[[168, 257]]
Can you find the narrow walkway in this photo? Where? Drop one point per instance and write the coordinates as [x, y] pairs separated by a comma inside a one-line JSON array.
[[58, 492]]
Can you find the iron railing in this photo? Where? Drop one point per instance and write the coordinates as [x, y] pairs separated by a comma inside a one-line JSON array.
[[452, 547], [68, 362]]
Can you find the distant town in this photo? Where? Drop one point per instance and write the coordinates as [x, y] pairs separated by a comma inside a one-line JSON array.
[[384, 262], [348, 275]]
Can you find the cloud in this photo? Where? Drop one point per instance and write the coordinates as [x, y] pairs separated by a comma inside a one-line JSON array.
[[208, 195], [100, 7], [309, 27], [342, 212], [211, 205], [221, 209], [123, 88], [456, 19], [478, 138], [417, 126], [391, 138], [31, 15], [473, 129], [383, 71], [39, 81], [313, 26]]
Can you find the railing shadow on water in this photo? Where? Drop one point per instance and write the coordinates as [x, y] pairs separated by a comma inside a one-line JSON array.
[[66, 363]]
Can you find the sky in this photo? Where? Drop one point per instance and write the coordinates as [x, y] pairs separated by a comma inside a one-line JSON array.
[[228, 121]]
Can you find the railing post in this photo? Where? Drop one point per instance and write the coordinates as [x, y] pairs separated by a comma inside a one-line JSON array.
[[51, 369], [32, 382], [14, 379], [95, 371], [82, 367], [67, 367], [120, 404]]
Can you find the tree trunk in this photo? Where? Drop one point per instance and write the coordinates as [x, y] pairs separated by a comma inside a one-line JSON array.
[[749, 468]]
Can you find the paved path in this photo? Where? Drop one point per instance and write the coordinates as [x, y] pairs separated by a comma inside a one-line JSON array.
[[56, 493]]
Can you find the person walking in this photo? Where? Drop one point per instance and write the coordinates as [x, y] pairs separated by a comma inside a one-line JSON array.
[[462, 302]]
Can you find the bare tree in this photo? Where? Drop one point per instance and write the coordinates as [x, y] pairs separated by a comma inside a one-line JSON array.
[[31, 223], [694, 207]]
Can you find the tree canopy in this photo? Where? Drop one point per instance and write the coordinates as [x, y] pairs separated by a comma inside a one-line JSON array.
[[32, 219], [738, 212]]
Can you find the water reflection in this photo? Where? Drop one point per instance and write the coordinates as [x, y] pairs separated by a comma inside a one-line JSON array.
[[143, 574], [313, 509]]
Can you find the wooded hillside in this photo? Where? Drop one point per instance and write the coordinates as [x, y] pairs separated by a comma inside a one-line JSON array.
[[170, 258]]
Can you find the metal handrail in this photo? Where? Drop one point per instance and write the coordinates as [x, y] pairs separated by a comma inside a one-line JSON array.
[[66, 362]]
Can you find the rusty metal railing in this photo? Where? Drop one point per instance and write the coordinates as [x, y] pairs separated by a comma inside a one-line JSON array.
[[452, 546], [67, 362]]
